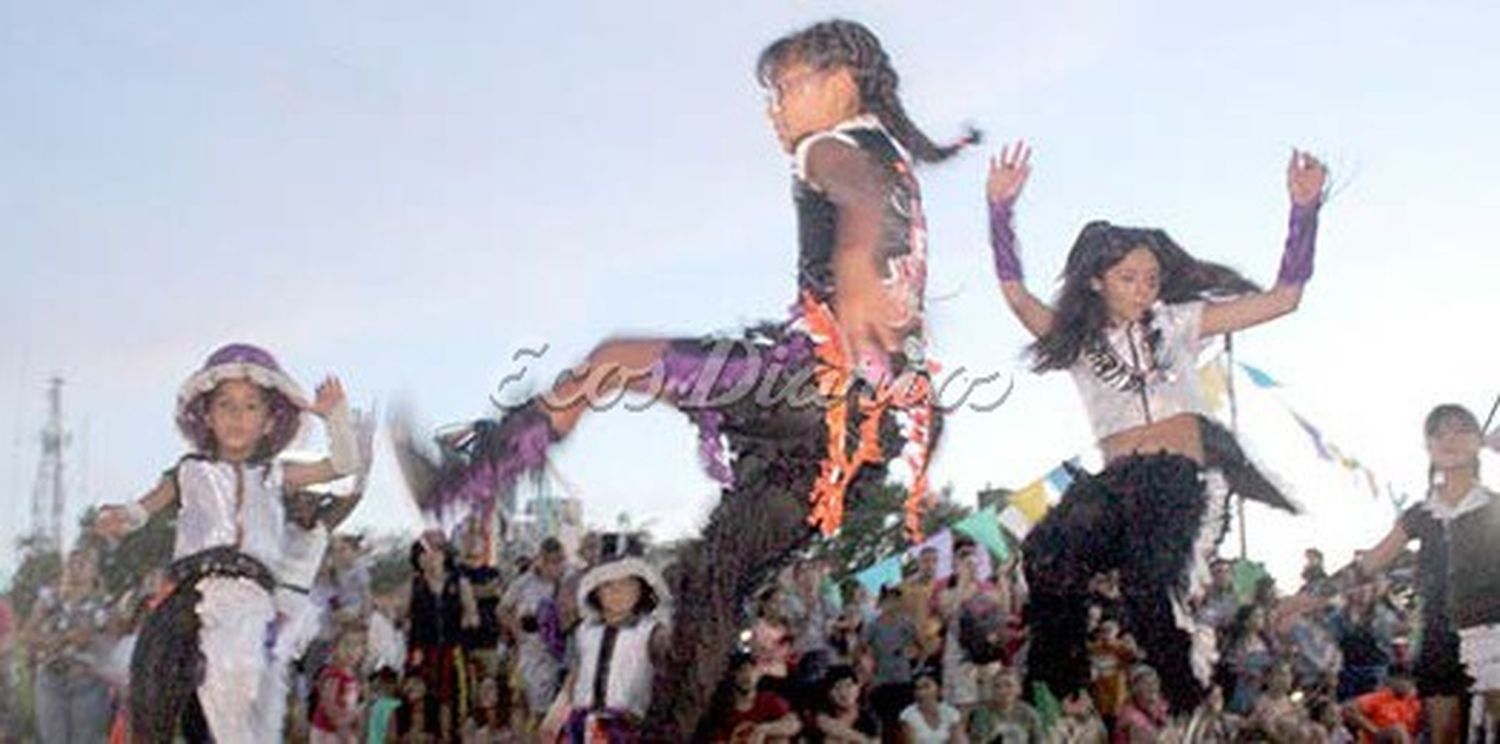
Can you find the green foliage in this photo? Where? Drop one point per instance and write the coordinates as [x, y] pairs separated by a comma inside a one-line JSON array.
[[874, 527], [38, 569]]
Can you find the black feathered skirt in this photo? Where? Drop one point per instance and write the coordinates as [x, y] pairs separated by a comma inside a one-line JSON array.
[[1157, 520], [791, 436]]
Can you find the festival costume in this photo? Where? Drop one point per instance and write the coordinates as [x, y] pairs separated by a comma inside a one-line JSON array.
[[1460, 591], [615, 671], [785, 423], [1157, 518], [211, 636]]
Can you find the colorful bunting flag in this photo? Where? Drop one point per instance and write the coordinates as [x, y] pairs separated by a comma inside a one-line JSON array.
[[1261, 379], [882, 574], [1016, 523], [1031, 501], [983, 526], [1061, 477]]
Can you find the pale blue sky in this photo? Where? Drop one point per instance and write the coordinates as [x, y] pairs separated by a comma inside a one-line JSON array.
[[407, 194]]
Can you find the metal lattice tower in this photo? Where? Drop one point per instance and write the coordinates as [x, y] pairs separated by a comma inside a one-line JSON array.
[[49, 495]]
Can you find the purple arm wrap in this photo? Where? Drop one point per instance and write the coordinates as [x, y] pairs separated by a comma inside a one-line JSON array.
[[1003, 242], [1301, 239]]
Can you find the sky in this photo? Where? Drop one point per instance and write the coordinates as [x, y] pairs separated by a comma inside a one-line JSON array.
[[407, 195]]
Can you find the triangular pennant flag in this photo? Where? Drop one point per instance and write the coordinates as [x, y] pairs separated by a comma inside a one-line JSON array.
[[882, 574], [1317, 436], [1015, 521], [1246, 575], [983, 527], [1061, 477], [1261, 379], [1032, 501]]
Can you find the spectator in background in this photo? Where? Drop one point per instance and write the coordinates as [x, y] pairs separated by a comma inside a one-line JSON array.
[[1393, 711], [741, 711], [1249, 657], [1277, 715], [336, 719], [482, 641], [490, 720], [1144, 715], [839, 719], [1222, 602], [1001, 716], [964, 591], [891, 645], [1359, 626], [1314, 576], [529, 610], [441, 607], [387, 632], [916, 596], [350, 573], [567, 595], [929, 720], [66, 636], [1111, 656], [810, 612], [1079, 724], [385, 701]]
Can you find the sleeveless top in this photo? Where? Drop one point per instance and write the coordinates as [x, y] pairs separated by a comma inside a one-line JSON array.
[[614, 666], [902, 249], [235, 505]]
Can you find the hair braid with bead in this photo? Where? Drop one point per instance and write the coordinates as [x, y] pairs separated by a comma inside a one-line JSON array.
[[839, 43]]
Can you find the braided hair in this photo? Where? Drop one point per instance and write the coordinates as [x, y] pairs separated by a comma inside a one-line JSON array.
[[839, 43], [1080, 312]]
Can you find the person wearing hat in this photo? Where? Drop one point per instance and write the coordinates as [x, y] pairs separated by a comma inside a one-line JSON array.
[[626, 609], [208, 639]]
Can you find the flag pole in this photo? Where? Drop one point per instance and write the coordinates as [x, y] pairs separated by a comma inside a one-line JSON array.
[[1490, 419], [1234, 427]]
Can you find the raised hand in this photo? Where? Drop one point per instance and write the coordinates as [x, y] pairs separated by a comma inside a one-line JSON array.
[[1305, 178], [330, 395], [1008, 173]]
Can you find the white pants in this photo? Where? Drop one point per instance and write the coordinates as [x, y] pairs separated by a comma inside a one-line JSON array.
[[236, 615], [297, 623], [1479, 648]]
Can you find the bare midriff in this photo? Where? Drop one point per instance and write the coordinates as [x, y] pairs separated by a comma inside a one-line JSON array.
[[1178, 435]]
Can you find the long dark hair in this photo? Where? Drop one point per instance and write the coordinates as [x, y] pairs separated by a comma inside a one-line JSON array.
[[839, 43], [1079, 313]]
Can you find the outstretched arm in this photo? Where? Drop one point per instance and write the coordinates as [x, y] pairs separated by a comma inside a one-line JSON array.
[[1008, 175], [1386, 551], [118, 520], [1305, 178]]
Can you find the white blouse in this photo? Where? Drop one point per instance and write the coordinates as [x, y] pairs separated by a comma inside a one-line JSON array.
[[1125, 385]]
